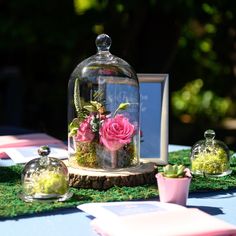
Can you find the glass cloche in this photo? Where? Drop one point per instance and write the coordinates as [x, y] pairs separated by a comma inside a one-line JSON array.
[[45, 178], [103, 111], [210, 157]]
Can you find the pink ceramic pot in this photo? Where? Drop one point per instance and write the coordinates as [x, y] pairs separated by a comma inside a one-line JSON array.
[[173, 190]]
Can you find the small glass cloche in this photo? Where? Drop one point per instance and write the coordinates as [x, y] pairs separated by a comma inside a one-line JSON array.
[[210, 157], [45, 178]]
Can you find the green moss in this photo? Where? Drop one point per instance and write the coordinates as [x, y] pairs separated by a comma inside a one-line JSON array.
[[181, 157], [86, 154], [47, 182], [212, 162], [10, 187], [92, 155]]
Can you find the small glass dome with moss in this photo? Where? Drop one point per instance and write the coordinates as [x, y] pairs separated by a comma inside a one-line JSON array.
[[45, 178], [103, 111], [210, 157]]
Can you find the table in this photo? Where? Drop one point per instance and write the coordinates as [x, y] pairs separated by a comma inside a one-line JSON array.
[[73, 222]]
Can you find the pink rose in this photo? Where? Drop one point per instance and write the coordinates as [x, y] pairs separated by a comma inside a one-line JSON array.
[[85, 133], [116, 132]]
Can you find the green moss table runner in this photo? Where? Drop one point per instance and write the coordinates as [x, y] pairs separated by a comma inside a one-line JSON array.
[[10, 188]]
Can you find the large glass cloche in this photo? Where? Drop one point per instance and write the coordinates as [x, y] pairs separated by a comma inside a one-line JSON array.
[[103, 111]]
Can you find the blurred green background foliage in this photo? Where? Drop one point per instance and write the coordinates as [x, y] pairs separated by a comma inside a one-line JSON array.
[[193, 41]]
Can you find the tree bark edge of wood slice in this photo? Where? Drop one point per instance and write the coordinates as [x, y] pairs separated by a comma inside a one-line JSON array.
[[101, 179]]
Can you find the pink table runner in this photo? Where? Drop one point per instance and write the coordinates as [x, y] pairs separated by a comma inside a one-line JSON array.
[[35, 139]]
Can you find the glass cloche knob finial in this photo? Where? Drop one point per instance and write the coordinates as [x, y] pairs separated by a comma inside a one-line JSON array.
[[44, 151], [103, 42], [209, 134]]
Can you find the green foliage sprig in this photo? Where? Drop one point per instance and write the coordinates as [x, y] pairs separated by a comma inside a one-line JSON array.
[[77, 102], [122, 106]]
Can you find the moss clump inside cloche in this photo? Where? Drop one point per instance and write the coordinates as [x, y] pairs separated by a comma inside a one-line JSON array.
[[47, 182], [212, 161]]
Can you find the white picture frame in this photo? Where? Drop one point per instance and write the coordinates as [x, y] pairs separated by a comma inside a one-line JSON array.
[[154, 121]]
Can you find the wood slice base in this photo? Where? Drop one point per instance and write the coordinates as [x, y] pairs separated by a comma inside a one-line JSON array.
[[104, 179]]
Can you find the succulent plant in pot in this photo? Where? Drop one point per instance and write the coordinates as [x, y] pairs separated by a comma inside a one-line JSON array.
[[176, 171], [173, 184]]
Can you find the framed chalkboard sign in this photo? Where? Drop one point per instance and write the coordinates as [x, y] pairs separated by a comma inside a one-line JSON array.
[[154, 90]]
